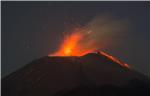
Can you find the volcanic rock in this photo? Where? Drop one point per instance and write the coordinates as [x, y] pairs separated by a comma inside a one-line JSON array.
[[89, 75]]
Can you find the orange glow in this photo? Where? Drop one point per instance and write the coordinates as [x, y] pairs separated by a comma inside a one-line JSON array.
[[115, 59], [77, 43]]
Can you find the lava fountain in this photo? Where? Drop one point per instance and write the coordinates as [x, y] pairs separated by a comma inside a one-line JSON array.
[[77, 43]]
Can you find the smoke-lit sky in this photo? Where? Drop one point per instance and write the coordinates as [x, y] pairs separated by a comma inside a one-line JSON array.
[[31, 30]]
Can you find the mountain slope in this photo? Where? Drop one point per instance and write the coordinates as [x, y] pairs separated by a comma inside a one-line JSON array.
[[92, 74]]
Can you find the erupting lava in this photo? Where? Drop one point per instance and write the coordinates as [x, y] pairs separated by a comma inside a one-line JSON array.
[[77, 43]]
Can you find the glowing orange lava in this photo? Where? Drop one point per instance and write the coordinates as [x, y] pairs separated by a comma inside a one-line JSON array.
[[115, 59], [76, 44]]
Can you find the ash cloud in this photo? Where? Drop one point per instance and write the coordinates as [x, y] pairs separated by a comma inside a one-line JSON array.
[[104, 31]]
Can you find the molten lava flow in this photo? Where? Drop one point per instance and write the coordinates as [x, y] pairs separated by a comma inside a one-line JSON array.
[[77, 43], [114, 59]]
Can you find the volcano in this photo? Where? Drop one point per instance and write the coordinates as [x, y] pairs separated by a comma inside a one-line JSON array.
[[93, 74]]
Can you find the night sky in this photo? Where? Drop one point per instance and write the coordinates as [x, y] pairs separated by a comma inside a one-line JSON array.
[[31, 30]]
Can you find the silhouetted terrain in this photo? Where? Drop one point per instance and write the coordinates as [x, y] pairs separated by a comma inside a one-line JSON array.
[[89, 75]]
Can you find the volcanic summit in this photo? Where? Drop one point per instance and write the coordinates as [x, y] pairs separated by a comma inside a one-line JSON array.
[[93, 74]]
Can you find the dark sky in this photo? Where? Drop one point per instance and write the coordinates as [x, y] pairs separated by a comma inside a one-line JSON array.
[[31, 30]]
